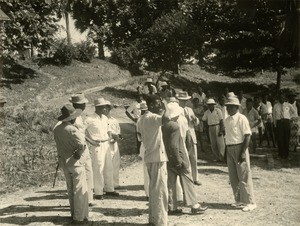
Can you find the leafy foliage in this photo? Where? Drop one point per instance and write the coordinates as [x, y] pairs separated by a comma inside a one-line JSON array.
[[84, 51], [64, 53]]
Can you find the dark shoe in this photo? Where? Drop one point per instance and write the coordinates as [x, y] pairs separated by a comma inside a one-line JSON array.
[[198, 183], [112, 193], [175, 212], [199, 210], [75, 222], [99, 197], [91, 204]]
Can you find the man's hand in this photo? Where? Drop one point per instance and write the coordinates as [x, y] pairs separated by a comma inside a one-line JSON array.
[[242, 158], [76, 155]]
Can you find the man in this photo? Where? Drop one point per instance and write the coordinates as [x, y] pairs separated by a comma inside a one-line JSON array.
[[294, 139], [193, 121], [267, 118], [72, 158], [213, 117], [237, 138], [257, 104], [200, 95], [79, 102], [115, 130], [165, 93], [222, 107], [149, 88], [149, 128], [254, 120], [99, 136], [198, 109], [178, 164], [282, 113], [242, 100]]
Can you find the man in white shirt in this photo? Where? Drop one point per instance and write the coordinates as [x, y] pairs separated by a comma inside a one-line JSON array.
[[99, 136], [214, 119], [155, 157], [237, 138], [79, 101], [267, 118], [193, 121], [282, 113]]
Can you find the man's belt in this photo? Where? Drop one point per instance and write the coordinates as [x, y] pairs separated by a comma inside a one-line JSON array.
[[214, 124], [232, 145]]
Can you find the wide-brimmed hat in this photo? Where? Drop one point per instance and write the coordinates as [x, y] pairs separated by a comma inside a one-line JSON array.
[[172, 99], [211, 101], [149, 80], [68, 112], [78, 98], [163, 84], [233, 101], [143, 106], [101, 102], [174, 109], [231, 94], [183, 95]]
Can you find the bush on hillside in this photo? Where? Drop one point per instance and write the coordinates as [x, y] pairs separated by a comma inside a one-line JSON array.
[[84, 52], [296, 76], [63, 54], [28, 154]]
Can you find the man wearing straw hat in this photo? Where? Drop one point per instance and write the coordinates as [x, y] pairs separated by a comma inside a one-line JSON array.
[[193, 121], [149, 88], [72, 154], [99, 136], [178, 164], [214, 119], [237, 138], [79, 101]]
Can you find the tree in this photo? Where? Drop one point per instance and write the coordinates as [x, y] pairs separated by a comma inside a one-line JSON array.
[[33, 24]]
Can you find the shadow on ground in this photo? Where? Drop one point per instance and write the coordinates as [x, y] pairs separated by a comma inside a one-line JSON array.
[[119, 212], [57, 194]]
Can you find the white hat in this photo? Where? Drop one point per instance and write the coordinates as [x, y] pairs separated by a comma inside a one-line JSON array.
[[172, 99], [174, 109], [210, 101], [182, 95], [150, 80], [143, 106], [101, 102], [163, 83], [231, 94], [233, 101], [78, 98]]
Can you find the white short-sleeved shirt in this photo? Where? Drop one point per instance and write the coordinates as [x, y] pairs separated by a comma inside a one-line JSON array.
[[283, 111], [252, 117], [97, 127], [149, 126], [212, 117], [113, 125], [236, 127], [189, 114]]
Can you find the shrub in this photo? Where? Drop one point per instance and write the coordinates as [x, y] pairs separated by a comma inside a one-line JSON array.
[[63, 54], [28, 154], [84, 51], [296, 76]]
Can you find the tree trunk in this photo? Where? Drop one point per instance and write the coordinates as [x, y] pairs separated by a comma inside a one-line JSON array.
[[101, 50], [68, 28], [279, 74]]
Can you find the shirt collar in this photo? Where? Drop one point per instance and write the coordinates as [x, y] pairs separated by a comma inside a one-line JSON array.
[[235, 116]]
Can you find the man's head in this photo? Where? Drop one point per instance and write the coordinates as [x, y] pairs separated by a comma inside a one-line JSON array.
[[196, 101], [199, 89], [79, 101], [211, 104], [102, 106], [240, 94], [139, 98], [249, 104], [281, 98], [232, 105], [69, 113], [222, 100], [256, 101], [174, 110], [154, 104], [264, 97], [183, 97]]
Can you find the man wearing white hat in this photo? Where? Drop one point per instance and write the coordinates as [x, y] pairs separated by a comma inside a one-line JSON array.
[[193, 121], [99, 136], [79, 101], [214, 119], [164, 92], [178, 164], [237, 138], [71, 151], [149, 88]]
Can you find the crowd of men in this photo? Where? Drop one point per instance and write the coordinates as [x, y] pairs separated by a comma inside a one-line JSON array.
[[170, 128]]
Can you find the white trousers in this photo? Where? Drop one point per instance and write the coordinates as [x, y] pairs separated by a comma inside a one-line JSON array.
[[74, 171], [102, 169], [89, 176], [146, 175], [116, 161]]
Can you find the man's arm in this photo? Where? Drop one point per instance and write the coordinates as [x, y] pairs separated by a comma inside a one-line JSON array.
[[245, 145], [130, 116], [166, 115]]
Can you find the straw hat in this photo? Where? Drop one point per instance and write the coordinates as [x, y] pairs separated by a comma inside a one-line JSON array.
[[149, 80], [101, 102], [68, 112], [143, 106], [174, 109], [231, 94], [210, 101], [164, 84], [182, 95], [173, 99], [78, 98], [233, 101]]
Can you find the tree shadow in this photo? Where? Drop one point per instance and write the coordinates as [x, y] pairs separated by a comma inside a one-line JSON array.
[[53, 191], [121, 93], [47, 197], [211, 171], [17, 220], [136, 187], [127, 197], [120, 212], [220, 206]]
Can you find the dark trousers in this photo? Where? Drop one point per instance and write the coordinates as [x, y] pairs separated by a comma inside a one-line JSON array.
[[283, 132]]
